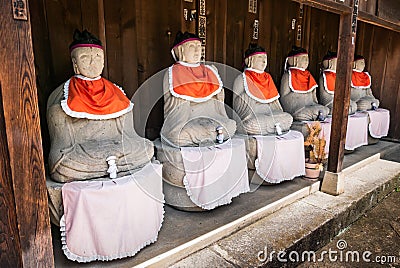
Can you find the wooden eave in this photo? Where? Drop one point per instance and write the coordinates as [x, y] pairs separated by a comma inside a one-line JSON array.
[[343, 8]]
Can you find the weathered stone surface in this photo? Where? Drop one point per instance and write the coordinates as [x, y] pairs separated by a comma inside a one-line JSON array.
[[203, 259], [312, 221]]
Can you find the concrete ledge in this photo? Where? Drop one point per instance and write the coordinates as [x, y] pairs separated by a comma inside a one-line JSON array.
[[184, 250], [307, 224]]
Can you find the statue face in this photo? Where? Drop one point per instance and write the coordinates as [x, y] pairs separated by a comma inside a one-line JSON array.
[[258, 62], [359, 65], [330, 64], [301, 61], [191, 51], [88, 61]]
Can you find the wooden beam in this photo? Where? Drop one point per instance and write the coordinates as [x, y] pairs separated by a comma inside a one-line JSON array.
[[21, 138], [340, 8], [374, 20], [327, 5], [341, 102]]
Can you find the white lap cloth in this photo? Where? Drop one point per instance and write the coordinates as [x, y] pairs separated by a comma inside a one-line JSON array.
[[356, 134], [106, 220], [215, 174], [280, 158], [379, 123]]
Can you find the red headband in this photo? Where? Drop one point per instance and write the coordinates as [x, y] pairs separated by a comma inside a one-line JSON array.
[[85, 45], [255, 53], [187, 40], [302, 53]]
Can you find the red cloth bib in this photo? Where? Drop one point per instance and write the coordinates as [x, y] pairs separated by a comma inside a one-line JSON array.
[[260, 86], [197, 83], [95, 97], [360, 79], [329, 81], [301, 81]]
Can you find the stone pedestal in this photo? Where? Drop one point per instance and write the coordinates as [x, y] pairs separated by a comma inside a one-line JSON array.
[[333, 183]]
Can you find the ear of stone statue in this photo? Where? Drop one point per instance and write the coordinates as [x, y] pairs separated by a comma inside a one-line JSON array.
[[249, 62]]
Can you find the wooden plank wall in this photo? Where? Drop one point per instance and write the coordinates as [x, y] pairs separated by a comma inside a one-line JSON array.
[[321, 35], [381, 48], [139, 34]]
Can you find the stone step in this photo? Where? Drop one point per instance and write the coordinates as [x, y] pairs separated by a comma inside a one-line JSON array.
[[302, 226]]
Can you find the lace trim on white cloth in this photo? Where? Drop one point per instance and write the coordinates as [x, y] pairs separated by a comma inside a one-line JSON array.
[[291, 86], [74, 257], [189, 98], [246, 88], [265, 178], [362, 87], [257, 164], [68, 111], [129, 180], [325, 84], [227, 199], [382, 121], [234, 191]]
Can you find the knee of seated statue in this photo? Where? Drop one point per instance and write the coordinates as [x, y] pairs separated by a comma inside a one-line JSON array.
[[311, 113], [87, 160], [262, 124], [367, 103], [202, 131]]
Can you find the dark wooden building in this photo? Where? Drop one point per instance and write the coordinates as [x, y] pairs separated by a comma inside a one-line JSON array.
[[137, 36]]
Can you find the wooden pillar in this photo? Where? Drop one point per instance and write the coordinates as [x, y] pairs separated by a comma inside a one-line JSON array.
[[25, 238], [333, 180]]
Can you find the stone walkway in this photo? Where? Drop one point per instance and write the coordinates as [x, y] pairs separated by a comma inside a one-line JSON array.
[[305, 225], [373, 240]]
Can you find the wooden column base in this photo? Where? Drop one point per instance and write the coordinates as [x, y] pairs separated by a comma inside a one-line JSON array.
[[333, 183]]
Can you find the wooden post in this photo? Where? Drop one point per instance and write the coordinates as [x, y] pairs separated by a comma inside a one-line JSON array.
[[333, 181], [24, 215]]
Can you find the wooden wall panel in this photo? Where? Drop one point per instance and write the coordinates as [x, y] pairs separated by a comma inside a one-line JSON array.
[[217, 39], [368, 6], [154, 20], [381, 48], [235, 32], [391, 83], [276, 33], [389, 10], [322, 36], [378, 57], [63, 17]]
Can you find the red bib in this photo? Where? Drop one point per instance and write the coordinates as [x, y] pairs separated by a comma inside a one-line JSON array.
[[329, 81], [94, 99], [301, 81], [195, 83], [260, 86], [360, 79]]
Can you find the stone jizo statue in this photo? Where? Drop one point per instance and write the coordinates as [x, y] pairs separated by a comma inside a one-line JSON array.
[[256, 99], [298, 88], [327, 82], [91, 121], [193, 98], [361, 91]]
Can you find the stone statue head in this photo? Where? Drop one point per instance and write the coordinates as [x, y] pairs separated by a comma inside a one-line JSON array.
[[298, 57], [359, 63], [329, 61], [187, 47], [87, 54], [255, 57]]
